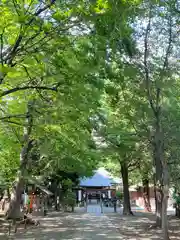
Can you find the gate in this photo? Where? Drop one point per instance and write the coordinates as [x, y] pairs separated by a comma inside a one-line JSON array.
[[94, 202]]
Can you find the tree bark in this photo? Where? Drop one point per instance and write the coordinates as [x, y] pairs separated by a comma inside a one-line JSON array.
[[162, 183], [155, 197], [164, 213], [177, 210], [125, 179], [165, 196], [157, 143], [57, 199], [16, 195], [158, 208], [158, 156], [146, 194], [161, 171]]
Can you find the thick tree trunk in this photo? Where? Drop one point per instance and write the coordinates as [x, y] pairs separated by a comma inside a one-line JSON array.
[[158, 155], [161, 179], [15, 203], [165, 196], [146, 195], [155, 197], [164, 213], [155, 101], [161, 182], [16, 195], [158, 207], [125, 179]]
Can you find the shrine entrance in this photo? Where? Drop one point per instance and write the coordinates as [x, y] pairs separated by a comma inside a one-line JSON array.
[[94, 200], [98, 190], [97, 200], [93, 196]]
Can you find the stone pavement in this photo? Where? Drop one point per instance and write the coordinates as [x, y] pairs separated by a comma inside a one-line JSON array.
[[77, 226]]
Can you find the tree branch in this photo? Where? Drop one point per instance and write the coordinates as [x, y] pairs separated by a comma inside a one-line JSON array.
[[2, 44], [52, 2], [132, 169], [13, 122], [1, 55], [16, 134], [16, 89], [171, 163], [34, 36], [27, 10], [13, 116], [147, 78], [16, 6], [12, 53], [42, 97], [158, 93], [165, 64], [134, 165], [168, 51], [28, 74]]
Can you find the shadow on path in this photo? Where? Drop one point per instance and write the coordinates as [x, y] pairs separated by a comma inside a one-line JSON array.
[[73, 226], [96, 226], [138, 227]]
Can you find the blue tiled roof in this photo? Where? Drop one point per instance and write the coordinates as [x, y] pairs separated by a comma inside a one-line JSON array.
[[100, 178]]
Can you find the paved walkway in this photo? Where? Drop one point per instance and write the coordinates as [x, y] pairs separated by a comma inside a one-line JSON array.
[[90, 225], [81, 226]]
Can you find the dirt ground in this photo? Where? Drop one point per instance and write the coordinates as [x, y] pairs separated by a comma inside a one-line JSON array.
[[3, 228], [94, 226], [141, 227]]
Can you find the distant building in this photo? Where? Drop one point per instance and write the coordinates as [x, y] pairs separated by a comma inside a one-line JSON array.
[[102, 182]]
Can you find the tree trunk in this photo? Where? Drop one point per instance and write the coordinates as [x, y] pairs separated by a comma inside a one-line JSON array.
[[15, 202], [177, 210], [125, 179], [165, 195], [57, 199], [158, 155], [158, 207], [146, 193], [155, 102], [161, 179], [16, 195], [155, 197], [164, 214], [8, 194]]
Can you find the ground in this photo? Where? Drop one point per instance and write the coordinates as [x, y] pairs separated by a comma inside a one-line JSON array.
[[94, 225]]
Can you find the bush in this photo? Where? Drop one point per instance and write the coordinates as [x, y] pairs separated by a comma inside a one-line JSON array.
[[119, 195], [69, 199]]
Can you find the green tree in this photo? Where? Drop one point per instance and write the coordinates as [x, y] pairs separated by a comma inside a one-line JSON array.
[[41, 55], [156, 62], [30, 35]]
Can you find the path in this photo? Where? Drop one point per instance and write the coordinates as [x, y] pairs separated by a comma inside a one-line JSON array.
[[95, 226], [81, 226]]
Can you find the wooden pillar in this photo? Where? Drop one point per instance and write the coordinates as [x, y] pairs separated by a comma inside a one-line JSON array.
[[79, 195], [109, 193]]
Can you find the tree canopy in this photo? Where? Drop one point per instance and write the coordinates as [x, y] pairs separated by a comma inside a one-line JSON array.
[[84, 83]]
